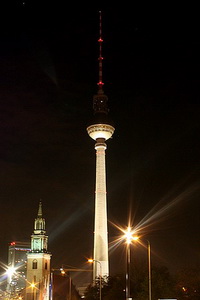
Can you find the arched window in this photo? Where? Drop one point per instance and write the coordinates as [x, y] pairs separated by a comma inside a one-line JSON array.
[[34, 264]]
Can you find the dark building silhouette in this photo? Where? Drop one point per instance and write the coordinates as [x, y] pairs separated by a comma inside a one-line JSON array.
[[63, 288]]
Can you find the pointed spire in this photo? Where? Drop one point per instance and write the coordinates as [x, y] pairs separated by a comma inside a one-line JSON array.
[[100, 100], [100, 40], [40, 209], [39, 221], [39, 238]]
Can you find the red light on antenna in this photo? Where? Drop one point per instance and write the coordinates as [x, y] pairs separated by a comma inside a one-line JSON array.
[[100, 83], [100, 40], [100, 58]]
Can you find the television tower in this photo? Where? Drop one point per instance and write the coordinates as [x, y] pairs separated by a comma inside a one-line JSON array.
[[101, 129]]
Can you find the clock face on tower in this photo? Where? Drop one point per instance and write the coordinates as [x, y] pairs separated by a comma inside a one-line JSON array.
[[36, 244]]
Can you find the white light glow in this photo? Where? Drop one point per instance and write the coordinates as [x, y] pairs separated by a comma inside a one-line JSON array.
[[128, 235], [10, 271]]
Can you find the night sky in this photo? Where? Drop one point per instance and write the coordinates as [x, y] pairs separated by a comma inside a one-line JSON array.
[[48, 76]]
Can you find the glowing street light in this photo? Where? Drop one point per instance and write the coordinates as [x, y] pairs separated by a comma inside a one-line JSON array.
[[33, 287], [100, 277], [129, 237], [10, 271], [62, 271]]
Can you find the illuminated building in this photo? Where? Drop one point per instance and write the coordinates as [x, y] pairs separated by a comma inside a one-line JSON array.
[[38, 262], [17, 261], [100, 129]]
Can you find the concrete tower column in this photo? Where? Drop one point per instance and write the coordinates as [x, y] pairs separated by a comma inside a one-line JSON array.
[[101, 231], [100, 132]]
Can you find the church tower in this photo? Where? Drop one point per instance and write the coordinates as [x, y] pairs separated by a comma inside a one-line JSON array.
[[38, 262], [100, 130]]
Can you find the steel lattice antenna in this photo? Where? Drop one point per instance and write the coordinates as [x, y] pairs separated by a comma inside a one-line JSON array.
[[100, 100], [100, 40]]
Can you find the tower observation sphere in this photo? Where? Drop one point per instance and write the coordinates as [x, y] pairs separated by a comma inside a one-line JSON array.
[[100, 129]]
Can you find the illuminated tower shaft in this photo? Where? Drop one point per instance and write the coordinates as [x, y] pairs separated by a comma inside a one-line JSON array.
[[101, 231], [100, 130]]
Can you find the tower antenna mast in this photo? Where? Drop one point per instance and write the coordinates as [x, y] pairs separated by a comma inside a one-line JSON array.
[[100, 40]]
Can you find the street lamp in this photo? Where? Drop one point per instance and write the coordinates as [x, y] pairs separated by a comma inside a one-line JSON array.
[[33, 287], [128, 236], [100, 277], [149, 266], [64, 273], [10, 274], [129, 239]]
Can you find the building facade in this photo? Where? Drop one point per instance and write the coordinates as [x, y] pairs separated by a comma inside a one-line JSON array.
[[17, 266]]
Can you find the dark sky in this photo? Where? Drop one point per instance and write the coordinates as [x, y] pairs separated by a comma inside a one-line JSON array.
[[48, 75]]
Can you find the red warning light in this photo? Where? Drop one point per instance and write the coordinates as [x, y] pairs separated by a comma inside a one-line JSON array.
[[100, 40], [12, 243]]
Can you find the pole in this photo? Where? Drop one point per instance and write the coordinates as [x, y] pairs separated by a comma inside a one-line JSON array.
[[149, 267], [128, 254], [33, 293]]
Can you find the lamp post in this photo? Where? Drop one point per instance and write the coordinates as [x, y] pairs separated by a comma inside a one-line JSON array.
[[128, 235], [100, 277], [64, 273], [33, 286], [128, 261], [149, 266]]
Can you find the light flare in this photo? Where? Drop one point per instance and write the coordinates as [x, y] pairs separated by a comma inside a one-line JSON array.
[[162, 210], [10, 271], [128, 235], [67, 223], [158, 214], [32, 285]]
